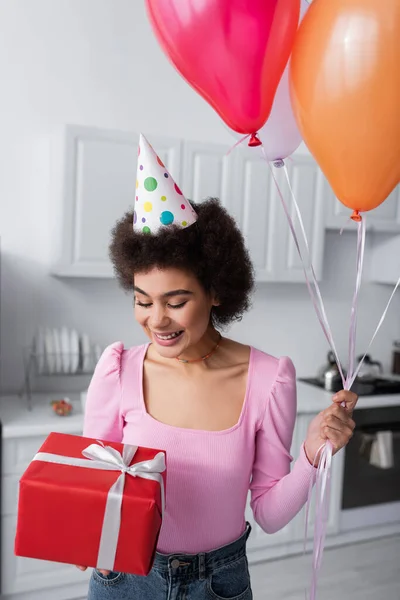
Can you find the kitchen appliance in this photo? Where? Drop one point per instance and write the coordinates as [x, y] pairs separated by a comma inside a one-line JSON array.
[[381, 386], [396, 358], [371, 468], [370, 380], [329, 376], [371, 480], [370, 369], [372, 459]]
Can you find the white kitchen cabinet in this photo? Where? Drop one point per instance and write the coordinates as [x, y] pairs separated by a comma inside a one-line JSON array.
[[208, 171], [94, 174], [306, 181], [383, 226], [385, 258], [244, 183], [385, 218], [94, 178], [22, 575], [23, 578]]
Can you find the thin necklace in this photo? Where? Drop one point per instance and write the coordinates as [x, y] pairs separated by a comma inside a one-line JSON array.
[[183, 360]]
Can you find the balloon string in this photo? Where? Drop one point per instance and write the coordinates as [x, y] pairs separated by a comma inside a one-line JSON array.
[[243, 139], [315, 293], [354, 307], [353, 372], [323, 474], [375, 333]]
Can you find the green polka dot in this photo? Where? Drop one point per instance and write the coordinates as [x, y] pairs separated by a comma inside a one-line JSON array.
[[166, 217], [150, 184], [184, 223], [146, 230], [163, 198]]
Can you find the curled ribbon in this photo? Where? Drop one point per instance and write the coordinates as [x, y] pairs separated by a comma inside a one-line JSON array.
[[107, 458], [325, 452]]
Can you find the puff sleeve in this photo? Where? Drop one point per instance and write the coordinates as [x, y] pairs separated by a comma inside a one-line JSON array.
[[103, 418], [278, 493]]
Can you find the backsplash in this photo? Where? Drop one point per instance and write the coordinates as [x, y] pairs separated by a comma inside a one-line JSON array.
[[281, 322]]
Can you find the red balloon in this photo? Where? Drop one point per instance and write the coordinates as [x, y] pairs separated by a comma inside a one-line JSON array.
[[232, 52]]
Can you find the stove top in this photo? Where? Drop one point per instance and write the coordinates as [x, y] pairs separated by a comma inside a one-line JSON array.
[[376, 387]]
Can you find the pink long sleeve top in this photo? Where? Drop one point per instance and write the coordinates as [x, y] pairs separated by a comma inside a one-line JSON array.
[[209, 472]]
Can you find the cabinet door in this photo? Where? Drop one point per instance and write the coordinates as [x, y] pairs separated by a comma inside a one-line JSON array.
[[208, 171], [384, 218], [258, 209], [97, 169], [306, 186], [385, 258], [243, 183], [27, 574], [264, 221]]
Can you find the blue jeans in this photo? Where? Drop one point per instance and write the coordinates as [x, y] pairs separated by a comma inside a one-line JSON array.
[[221, 574]]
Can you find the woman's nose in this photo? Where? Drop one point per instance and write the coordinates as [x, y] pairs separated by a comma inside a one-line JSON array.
[[158, 318]]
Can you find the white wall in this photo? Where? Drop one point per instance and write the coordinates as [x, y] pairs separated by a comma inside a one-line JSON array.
[[96, 62]]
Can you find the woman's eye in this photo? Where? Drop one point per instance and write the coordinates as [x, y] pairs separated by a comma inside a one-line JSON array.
[[147, 305], [177, 305], [142, 305]]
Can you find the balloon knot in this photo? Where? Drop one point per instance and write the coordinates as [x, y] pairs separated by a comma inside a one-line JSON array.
[[356, 216], [254, 140], [278, 163]]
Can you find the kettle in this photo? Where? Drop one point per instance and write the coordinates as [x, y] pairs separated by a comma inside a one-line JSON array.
[[329, 375], [370, 369]]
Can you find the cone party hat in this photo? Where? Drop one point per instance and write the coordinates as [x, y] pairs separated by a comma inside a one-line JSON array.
[[159, 202]]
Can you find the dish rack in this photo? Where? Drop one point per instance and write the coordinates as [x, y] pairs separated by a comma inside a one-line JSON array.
[[54, 364]]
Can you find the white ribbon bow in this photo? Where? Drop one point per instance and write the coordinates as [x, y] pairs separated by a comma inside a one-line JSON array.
[[107, 458]]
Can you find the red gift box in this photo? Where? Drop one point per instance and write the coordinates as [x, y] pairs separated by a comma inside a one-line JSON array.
[[62, 508]]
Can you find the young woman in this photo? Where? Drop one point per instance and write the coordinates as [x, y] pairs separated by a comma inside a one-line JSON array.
[[223, 411]]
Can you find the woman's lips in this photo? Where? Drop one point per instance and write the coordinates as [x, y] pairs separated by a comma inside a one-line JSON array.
[[164, 340]]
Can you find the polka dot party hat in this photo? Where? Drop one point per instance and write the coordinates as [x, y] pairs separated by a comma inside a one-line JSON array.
[[159, 201]]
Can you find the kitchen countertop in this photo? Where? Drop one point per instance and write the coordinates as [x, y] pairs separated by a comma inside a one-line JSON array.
[[312, 399], [17, 421]]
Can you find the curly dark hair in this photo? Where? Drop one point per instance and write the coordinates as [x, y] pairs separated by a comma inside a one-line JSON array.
[[212, 249]]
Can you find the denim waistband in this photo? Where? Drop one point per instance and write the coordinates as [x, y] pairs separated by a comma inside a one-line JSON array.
[[202, 564]]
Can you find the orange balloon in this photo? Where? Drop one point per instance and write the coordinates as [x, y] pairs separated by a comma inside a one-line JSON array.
[[345, 90]]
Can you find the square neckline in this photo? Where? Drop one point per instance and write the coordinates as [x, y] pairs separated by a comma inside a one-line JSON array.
[[149, 417]]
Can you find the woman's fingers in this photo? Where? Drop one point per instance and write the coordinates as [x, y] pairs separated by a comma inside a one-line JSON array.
[[348, 398], [338, 418]]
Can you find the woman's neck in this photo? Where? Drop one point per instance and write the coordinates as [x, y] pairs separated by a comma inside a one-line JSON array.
[[204, 349]]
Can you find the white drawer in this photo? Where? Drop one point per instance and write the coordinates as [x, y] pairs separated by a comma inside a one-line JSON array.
[[27, 574], [9, 494], [18, 453]]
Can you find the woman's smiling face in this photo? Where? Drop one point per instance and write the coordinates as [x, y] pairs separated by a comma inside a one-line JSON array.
[[173, 309]]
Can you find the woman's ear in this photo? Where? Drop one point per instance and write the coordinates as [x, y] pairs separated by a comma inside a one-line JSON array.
[[214, 300]]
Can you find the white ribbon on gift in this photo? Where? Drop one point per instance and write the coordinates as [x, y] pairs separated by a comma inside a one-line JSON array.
[[107, 458]]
